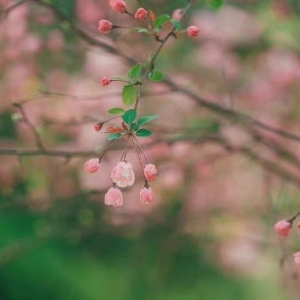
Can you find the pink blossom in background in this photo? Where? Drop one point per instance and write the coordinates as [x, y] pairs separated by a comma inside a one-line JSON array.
[[114, 197], [297, 258], [123, 174], [177, 14], [55, 41]]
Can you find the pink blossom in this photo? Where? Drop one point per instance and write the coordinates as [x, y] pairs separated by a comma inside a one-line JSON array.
[[105, 81], [113, 197], [92, 165], [193, 31], [150, 172], [141, 13], [123, 174], [297, 258], [146, 195], [283, 228], [105, 26], [177, 14], [118, 5]]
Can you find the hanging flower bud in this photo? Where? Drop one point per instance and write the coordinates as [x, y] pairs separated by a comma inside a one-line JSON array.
[[98, 126], [146, 195], [193, 31], [283, 228], [105, 81], [141, 13], [105, 26], [113, 197], [150, 172], [123, 174], [92, 165], [118, 5]]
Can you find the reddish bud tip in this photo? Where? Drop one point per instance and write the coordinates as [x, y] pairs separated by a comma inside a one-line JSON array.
[[105, 81], [283, 228], [98, 126], [141, 13], [105, 26], [118, 5], [92, 165], [193, 31]]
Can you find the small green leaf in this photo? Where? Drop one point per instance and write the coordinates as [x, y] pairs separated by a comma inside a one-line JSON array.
[[176, 24], [129, 116], [156, 76], [135, 71], [114, 136], [216, 4], [15, 117], [146, 119], [134, 126], [162, 19], [144, 30], [129, 94], [143, 132], [116, 111]]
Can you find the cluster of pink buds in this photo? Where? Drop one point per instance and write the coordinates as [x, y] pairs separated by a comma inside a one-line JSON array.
[[123, 175], [283, 228], [154, 23]]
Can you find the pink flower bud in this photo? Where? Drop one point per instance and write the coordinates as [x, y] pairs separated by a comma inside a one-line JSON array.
[[98, 126], [92, 165], [177, 14], [105, 81], [283, 228], [297, 258], [150, 172], [146, 195], [105, 26], [123, 174], [141, 13], [118, 5], [193, 31], [113, 197]]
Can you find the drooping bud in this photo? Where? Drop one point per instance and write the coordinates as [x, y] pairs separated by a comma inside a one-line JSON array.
[[150, 172], [123, 174], [113, 197], [146, 195], [92, 165]]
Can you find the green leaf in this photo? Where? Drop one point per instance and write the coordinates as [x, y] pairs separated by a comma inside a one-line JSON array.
[[162, 19], [143, 132], [216, 4], [116, 111], [156, 76], [142, 30], [176, 24], [129, 116], [114, 136], [135, 71], [146, 119], [134, 126], [129, 94]]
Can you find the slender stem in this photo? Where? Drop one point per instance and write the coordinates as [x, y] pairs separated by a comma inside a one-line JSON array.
[[138, 154], [141, 149], [111, 144]]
